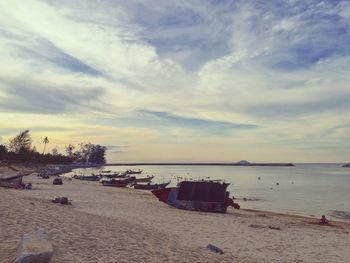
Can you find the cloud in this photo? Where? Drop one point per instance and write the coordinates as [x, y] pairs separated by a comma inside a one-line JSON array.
[[168, 124], [167, 119], [45, 51], [35, 98], [186, 69], [116, 149]]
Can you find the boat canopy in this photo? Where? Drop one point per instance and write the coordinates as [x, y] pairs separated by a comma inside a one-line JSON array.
[[206, 191]]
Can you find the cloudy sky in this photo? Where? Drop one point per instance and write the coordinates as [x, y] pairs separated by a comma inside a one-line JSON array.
[[185, 80]]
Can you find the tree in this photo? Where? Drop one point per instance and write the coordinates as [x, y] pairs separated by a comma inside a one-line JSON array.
[[92, 153], [97, 154], [45, 141], [3, 151], [70, 150], [20, 143], [54, 152]]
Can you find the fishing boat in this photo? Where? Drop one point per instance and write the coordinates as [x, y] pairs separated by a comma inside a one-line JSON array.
[[113, 175], [150, 186], [116, 182], [133, 171], [12, 181], [143, 179], [208, 196], [87, 177]]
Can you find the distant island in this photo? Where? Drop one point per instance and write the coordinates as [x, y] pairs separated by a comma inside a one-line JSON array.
[[240, 163]]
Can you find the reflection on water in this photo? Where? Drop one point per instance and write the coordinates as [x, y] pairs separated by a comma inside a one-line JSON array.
[[306, 189]]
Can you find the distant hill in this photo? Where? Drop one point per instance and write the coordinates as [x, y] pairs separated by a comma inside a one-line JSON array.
[[243, 162]]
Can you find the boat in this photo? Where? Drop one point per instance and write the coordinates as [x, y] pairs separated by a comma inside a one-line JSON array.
[[87, 177], [112, 175], [150, 186], [205, 195], [143, 179], [12, 181], [133, 171], [116, 182]]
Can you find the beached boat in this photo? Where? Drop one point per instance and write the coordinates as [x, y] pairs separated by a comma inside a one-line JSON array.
[[142, 180], [116, 182], [87, 177], [150, 186], [113, 175], [209, 196], [12, 181]]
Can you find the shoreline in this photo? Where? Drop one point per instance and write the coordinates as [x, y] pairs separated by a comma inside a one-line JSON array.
[[200, 164], [61, 169], [336, 222]]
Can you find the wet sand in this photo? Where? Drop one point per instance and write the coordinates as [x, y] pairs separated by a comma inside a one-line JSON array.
[[107, 224]]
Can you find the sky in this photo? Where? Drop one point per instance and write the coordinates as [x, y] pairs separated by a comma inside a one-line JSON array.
[[179, 81]]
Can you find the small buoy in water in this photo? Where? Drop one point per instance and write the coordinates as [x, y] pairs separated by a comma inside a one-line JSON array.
[[277, 183]]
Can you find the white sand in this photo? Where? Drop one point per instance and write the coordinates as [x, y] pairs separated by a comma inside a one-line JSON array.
[[107, 224]]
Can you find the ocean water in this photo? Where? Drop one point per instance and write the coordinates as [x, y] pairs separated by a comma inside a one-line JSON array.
[[305, 189]]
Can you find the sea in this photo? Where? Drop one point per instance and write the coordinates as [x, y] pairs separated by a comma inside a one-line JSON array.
[[304, 189]]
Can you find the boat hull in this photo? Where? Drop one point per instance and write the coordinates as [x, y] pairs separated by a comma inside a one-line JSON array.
[[165, 196], [115, 184], [175, 197], [88, 178], [143, 180], [150, 186]]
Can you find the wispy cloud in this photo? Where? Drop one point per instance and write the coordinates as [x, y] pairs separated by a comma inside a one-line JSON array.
[[36, 98], [167, 119], [199, 69]]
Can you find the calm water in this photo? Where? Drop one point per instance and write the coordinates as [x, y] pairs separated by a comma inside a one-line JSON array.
[[306, 189]]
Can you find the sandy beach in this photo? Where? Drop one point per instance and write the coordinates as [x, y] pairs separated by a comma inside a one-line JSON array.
[[125, 225]]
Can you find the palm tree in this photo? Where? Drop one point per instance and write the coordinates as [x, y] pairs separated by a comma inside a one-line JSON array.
[[45, 141]]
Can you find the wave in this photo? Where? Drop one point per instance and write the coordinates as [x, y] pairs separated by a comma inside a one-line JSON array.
[[340, 214]]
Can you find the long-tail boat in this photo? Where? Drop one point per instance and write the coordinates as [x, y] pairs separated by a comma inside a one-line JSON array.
[[209, 196], [133, 171], [150, 186], [142, 180], [88, 177], [116, 182]]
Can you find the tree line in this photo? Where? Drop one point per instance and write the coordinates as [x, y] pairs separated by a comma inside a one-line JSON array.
[[19, 148]]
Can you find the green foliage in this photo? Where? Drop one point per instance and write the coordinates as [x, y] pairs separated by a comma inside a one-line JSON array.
[[70, 150], [3, 151], [20, 148], [54, 152], [91, 153], [20, 143]]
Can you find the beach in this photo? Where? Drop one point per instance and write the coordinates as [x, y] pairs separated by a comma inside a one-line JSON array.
[[106, 224]]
